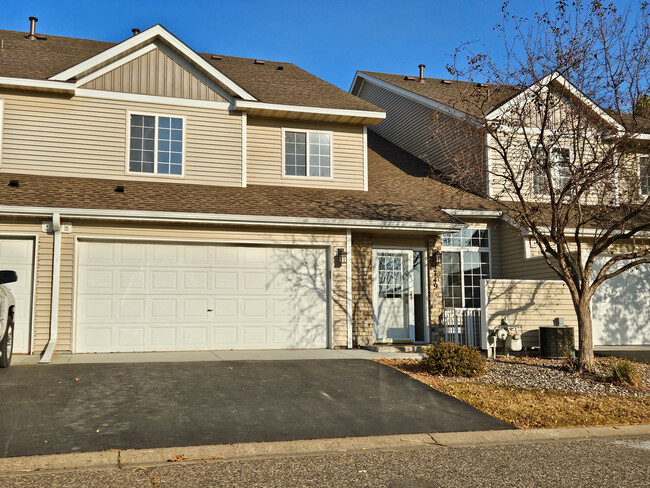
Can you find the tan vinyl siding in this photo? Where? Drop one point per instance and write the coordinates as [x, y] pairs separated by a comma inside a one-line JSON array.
[[494, 231], [155, 73], [164, 233], [514, 264], [432, 135], [264, 154], [87, 137], [43, 270], [531, 304]]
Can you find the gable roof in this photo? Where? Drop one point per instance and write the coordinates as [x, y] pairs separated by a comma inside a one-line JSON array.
[[399, 191], [53, 61], [479, 99], [453, 94]]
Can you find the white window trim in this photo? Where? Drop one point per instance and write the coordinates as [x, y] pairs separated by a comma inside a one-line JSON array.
[[460, 250], [554, 172], [127, 159], [307, 177], [638, 169]]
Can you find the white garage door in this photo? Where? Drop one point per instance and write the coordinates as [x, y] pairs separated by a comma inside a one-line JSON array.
[[621, 308], [166, 297], [18, 255]]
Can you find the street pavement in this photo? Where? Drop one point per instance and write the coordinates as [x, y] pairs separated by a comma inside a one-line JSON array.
[[620, 462], [64, 408]]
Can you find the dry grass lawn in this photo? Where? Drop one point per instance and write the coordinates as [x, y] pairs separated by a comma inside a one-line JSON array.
[[535, 408]]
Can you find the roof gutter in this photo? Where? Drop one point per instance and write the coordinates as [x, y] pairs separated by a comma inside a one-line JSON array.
[[368, 115], [43, 85], [225, 219], [489, 214], [56, 280]]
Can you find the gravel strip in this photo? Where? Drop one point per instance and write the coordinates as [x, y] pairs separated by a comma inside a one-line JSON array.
[[550, 375]]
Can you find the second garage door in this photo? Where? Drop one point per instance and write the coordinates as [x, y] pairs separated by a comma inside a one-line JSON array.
[[620, 308], [134, 296]]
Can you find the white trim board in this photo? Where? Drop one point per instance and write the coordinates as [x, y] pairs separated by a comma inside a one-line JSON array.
[[544, 82], [130, 97], [145, 37], [243, 104], [272, 221], [57, 86]]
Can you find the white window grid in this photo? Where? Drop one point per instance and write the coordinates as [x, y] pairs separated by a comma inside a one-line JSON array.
[[307, 154], [465, 262], [156, 144], [560, 170]]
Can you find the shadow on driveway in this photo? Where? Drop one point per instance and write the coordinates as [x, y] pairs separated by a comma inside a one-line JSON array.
[[146, 405]]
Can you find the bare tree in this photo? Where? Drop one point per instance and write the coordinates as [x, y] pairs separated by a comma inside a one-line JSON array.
[[558, 115]]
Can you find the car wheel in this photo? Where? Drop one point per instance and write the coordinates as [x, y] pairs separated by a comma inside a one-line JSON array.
[[7, 345]]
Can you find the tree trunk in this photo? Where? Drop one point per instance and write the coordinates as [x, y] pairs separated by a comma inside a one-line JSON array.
[[585, 335]]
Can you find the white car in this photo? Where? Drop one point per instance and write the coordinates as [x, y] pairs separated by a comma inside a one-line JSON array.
[[7, 306]]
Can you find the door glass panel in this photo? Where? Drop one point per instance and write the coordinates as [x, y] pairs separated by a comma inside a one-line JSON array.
[[392, 276]]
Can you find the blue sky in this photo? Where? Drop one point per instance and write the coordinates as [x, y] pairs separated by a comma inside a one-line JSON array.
[[330, 38]]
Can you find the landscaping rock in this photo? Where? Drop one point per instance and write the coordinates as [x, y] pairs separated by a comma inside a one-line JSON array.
[[551, 375]]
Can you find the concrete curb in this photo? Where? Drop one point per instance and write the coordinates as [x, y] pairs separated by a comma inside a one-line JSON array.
[[143, 457]]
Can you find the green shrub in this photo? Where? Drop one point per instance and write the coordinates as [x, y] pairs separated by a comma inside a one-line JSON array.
[[623, 371], [450, 359]]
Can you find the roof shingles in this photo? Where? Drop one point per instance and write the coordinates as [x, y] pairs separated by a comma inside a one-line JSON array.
[[41, 59]]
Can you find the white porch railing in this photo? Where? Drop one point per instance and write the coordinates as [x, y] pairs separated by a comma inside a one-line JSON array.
[[463, 326]]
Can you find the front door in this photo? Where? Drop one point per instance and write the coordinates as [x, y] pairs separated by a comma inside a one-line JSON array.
[[393, 296]]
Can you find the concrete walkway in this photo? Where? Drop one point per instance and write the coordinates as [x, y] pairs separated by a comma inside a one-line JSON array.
[[192, 356]]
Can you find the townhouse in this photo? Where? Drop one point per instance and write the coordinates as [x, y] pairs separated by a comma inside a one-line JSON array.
[[153, 198]]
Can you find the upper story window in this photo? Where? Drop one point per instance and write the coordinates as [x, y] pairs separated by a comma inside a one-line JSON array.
[[644, 173], [560, 170], [156, 144], [307, 154]]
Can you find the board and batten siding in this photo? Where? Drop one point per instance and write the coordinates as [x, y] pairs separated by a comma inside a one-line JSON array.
[[530, 304], [155, 73], [87, 137], [429, 134], [264, 154], [156, 233]]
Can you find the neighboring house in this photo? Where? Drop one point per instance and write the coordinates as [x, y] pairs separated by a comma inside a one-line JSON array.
[[156, 199], [423, 118]]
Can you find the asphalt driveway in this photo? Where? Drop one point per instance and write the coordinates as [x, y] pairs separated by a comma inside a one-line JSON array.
[[91, 407]]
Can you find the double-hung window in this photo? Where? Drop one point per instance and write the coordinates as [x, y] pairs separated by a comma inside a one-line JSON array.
[[644, 173], [540, 184], [560, 157], [156, 144], [560, 170], [307, 154]]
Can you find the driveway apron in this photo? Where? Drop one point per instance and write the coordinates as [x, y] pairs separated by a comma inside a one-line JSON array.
[[92, 407]]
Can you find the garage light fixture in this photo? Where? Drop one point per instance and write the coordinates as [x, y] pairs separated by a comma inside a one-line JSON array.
[[341, 257], [436, 259]]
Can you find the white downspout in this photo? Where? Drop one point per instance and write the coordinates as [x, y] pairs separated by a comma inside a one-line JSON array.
[[56, 278], [348, 283]]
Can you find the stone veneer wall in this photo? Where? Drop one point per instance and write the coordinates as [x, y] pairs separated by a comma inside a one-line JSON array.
[[436, 309], [362, 319]]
